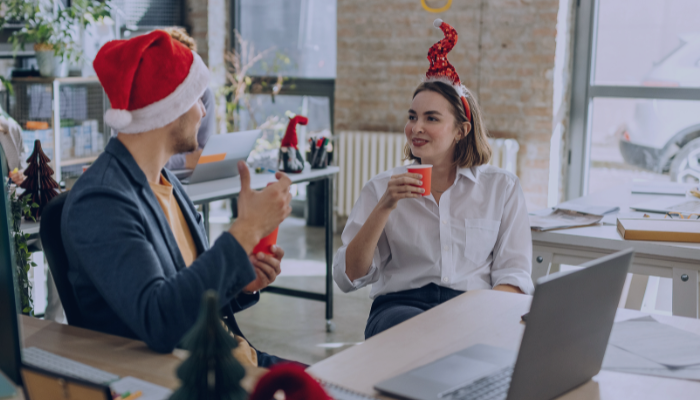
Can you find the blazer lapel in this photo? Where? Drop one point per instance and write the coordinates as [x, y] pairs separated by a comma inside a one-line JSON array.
[[121, 153], [187, 208]]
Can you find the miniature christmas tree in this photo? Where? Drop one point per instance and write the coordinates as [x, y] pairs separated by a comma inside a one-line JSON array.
[[39, 185], [210, 372]]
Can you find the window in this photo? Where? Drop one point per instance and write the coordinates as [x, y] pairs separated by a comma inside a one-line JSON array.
[[303, 31], [299, 37], [636, 94]]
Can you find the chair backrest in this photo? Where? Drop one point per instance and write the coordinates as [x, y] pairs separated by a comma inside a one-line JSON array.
[[52, 242]]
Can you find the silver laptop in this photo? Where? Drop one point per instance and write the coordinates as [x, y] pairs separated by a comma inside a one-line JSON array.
[[220, 157], [567, 332]]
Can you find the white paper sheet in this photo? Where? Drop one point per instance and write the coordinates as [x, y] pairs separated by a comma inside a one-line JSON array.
[[660, 343]]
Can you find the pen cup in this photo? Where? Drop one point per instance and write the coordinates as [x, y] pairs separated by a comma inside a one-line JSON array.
[[427, 172]]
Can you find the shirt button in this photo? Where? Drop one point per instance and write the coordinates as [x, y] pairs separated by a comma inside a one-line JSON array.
[[444, 221], [445, 248], [445, 279]]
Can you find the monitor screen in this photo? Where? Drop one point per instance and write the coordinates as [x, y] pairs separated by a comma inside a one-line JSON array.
[[9, 329]]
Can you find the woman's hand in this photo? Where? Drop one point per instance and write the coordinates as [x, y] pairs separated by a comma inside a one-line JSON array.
[[403, 186], [508, 288], [17, 177]]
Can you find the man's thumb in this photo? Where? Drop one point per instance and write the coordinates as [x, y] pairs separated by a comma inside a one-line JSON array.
[[245, 176]]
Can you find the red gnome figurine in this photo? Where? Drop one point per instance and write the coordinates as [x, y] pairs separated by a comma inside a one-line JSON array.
[[290, 159], [292, 380]]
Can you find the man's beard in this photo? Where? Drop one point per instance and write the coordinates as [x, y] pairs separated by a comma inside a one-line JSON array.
[[183, 141]]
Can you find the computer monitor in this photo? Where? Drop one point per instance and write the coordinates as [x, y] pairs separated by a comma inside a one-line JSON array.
[[10, 360]]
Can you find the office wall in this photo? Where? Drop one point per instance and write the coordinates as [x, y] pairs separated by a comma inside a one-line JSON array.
[[505, 54]]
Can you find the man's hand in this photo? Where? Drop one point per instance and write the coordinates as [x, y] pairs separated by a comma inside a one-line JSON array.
[[191, 159], [260, 212], [267, 267]]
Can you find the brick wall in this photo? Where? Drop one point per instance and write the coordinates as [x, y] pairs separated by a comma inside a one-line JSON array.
[[505, 54]]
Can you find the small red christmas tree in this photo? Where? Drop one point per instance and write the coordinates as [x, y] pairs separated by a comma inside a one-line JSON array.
[[39, 184]]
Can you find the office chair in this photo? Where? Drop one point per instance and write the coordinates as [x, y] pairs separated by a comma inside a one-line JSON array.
[[52, 242]]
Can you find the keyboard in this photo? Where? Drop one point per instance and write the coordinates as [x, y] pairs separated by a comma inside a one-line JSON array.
[[50, 362], [490, 387]]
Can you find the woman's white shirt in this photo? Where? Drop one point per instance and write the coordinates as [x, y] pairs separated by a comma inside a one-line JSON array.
[[478, 236]]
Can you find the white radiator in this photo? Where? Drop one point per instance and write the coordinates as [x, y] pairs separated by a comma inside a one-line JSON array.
[[362, 155]]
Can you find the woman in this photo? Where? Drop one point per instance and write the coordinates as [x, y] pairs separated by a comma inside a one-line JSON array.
[[472, 232]]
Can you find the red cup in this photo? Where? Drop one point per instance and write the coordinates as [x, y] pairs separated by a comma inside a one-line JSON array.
[[265, 244], [426, 171]]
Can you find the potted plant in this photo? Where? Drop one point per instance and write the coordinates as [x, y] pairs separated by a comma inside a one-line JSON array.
[[52, 28]]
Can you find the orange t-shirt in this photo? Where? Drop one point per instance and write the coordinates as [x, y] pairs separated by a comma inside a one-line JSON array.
[[245, 354], [177, 222]]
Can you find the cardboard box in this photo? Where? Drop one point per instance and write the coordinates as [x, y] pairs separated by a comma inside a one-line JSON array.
[[659, 230]]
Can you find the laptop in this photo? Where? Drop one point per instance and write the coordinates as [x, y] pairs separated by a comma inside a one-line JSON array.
[[220, 157], [566, 334]]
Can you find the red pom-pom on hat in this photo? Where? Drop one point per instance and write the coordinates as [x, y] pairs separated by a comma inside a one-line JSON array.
[[293, 380], [151, 80], [290, 136]]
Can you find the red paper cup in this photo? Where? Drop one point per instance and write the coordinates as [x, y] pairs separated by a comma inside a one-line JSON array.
[[265, 245], [426, 171]]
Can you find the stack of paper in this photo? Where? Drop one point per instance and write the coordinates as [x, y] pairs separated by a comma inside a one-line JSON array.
[[645, 346], [558, 219]]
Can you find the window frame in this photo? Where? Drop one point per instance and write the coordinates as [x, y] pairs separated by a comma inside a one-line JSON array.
[[584, 91], [292, 86]]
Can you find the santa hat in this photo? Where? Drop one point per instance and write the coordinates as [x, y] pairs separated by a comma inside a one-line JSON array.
[[290, 136], [151, 80], [440, 68], [293, 380]]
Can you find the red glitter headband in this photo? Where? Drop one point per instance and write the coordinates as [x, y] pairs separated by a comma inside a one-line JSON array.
[[440, 68]]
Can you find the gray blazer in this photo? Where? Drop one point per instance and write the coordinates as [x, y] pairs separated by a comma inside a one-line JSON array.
[[126, 269]]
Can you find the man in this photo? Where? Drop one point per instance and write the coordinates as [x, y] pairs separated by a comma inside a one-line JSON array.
[[138, 253]]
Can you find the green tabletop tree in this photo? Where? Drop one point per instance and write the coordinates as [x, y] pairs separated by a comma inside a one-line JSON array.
[[210, 372], [39, 185]]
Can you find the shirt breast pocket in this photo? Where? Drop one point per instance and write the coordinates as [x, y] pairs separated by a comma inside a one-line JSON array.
[[481, 235]]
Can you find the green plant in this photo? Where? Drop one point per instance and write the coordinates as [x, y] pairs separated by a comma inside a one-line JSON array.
[[239, 85], [22, 208], [52, 27]]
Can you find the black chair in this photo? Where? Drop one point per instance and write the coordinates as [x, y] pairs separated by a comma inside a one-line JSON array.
[[52, 242]]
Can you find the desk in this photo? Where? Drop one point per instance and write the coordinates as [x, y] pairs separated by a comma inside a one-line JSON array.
[[206, 192], [488, 317], [118, 355], [679, 261]]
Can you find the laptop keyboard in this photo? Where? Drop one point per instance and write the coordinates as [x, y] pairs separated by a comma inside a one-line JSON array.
[[491, 387]]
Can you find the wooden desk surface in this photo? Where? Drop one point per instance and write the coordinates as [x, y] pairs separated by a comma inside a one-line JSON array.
[[118, 355], [487, 317]]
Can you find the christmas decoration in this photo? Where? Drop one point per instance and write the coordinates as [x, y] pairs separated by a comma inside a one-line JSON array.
[[39, 186], [440, 68], [293, 380], [142, 97], [210, 372], [290, 160]]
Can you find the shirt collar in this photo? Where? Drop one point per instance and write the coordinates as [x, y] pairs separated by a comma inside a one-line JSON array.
[[470, 173]]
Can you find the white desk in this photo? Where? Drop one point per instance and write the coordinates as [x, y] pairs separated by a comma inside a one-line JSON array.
[[487, 317], [679, 261], [206, 192]]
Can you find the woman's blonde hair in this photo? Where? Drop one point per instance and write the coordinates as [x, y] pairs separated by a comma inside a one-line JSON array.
[[473, 149], [180, 34]]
